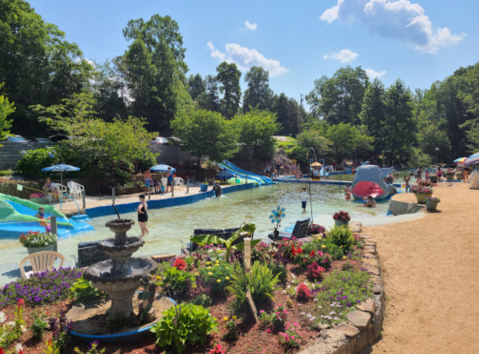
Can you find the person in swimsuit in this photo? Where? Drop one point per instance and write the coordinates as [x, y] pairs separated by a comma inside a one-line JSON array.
[[143, 215], [50, 188], [370, 202], [169, 180]]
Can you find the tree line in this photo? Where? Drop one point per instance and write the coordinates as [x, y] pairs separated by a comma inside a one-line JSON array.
[[350, 116]]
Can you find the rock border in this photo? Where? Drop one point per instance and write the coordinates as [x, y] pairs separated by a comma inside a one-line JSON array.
[[364, 325]]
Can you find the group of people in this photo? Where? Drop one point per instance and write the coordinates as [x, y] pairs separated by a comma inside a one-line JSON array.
[[157, 186]]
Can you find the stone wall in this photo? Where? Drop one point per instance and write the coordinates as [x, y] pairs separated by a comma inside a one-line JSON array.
[[10, 153], [363, 326]]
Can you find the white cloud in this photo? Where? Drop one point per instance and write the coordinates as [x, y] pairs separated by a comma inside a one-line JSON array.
[[250, 26], [344, 56], [372, 74], [245, 58], [399, 19]]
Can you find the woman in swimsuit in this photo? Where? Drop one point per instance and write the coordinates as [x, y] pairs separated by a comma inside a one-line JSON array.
[[143, 215]]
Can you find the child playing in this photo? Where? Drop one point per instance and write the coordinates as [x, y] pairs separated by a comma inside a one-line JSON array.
[[304, 198]]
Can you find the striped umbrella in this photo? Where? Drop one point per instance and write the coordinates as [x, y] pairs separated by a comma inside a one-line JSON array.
[[472, 159], [460, 160]]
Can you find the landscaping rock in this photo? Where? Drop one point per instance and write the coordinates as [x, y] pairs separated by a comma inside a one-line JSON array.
[[370, 262], [378, 317], [356, 226], [359, 318], [348, 330], [361, 340], [369, 251], [372, 269], [331, 341], [368, 306]]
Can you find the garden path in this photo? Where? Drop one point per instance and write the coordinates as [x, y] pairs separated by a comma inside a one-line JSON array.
[[430, 275]]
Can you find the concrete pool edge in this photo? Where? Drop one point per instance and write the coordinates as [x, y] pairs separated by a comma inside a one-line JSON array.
[[164, 203]]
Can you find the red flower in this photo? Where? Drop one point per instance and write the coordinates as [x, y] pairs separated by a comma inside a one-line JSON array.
[[312, 253], [20, 303], [303, 292], [1, 351], [180, 264]]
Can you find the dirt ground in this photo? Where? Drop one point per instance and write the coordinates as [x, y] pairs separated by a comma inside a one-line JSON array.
[[430, 271]]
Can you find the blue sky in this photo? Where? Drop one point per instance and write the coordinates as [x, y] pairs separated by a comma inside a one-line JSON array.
[[419, 41]]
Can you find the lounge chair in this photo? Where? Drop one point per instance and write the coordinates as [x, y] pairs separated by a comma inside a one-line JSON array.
[[300, 231], [40, 261]]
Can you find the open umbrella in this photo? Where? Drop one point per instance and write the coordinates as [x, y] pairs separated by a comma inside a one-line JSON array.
[[316, 164], [61, 168], [162, 168], [460, 160], [224, 174]]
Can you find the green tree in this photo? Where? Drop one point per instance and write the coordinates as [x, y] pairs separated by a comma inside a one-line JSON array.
[[258, 94], [210, 99], [229, 77], [431, 137], [205, 134], [196, 86], [339, 99], [399, 126], [289, 114], [153, 67], [373, 113], [6, 109], [313, 138], [255, 133], [348, 141], [37, 65]]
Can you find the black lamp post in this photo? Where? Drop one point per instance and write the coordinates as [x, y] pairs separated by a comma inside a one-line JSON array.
[[309, 181]]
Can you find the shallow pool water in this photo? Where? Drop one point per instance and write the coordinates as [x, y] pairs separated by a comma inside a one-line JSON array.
[[169, 226]]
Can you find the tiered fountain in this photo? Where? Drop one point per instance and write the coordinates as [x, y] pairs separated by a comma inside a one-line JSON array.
[[120, 276]]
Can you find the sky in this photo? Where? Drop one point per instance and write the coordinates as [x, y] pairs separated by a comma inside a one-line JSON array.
[[418, 41]]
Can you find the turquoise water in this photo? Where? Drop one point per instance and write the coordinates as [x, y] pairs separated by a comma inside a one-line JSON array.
[[169, 226]]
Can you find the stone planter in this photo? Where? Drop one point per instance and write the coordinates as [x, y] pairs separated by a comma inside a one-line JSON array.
[[433, 179], [431, 205], [422, 197], [41, 200], [449, 176], [459, 176], [341, 222], [48, 248]]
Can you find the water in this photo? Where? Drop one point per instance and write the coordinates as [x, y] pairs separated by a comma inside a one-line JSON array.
[[169, 226]]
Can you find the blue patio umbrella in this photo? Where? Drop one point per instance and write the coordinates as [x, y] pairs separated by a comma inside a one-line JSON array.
[[162, 168], [225, 174], [61, 168]]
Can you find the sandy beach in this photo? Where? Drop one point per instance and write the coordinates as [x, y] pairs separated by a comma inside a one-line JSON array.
[[430, 275]]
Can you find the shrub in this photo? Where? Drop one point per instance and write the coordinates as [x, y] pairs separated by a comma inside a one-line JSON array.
[[233, 330], [201, 300], [217, 277], [92, 350], [341, 292], [61, 329], [278, 269], [260, 281], [11, 331], [40, 288], [277, 318], [315, 271], [303, 292], [31, 164], [38, 327], [37, 239], [315, 229], [292, 337], [83, 290], [174, 281], [342, 237], [184, 325]]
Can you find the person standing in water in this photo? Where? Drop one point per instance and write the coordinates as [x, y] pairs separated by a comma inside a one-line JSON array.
[[143, 215], [304, 198], [217, 190], [169, 180]]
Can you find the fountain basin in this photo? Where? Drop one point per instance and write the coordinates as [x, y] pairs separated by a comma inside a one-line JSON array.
[[119, 227], [120, 254]]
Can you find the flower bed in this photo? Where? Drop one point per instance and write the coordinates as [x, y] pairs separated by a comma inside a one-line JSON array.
[[301, 288]]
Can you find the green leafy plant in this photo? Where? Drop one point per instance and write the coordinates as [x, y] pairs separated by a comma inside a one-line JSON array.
[[233, 330], [244, 231], [38, 327], [217, 276], [92, 350], [174, 281], [260, 281], [37, 239], [348, 289], [83, 290], [184, 325], [201, 300], [276, 318], [342, 237]]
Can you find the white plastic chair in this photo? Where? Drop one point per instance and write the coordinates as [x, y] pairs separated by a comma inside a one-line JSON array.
[[61, 189], [76, 190], [41, 261], [48, 194], [164, 182], [179, 182]]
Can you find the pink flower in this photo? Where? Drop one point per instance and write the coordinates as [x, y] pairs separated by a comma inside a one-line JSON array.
[[296, 324], [262, 311], [292, 337], [269, 331]]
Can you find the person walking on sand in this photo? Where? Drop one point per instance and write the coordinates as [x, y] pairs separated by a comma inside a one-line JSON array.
[[147, 179], [143, 215], [304, 198], [407, 178]]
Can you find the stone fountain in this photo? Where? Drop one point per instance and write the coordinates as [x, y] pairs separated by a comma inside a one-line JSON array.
[[120, 276]]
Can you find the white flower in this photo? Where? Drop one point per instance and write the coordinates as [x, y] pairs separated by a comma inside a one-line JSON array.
[[2, 317], [293, 276], [23, 329], [10, 324], [18, 348], [320, 307]]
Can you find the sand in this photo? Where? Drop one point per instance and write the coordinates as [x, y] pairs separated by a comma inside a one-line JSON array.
[[430, 271]]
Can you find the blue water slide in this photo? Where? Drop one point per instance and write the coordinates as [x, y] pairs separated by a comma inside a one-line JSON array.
[[236, 170]]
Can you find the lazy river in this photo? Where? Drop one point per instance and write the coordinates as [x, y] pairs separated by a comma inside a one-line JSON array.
[[169, 226]]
